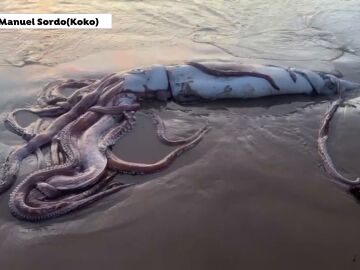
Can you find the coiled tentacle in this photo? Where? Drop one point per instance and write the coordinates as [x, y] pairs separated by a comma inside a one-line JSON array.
[[12, 163], [22, 210], [161, 132]]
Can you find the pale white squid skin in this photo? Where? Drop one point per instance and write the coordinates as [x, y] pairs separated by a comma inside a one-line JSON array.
[[184, 82], [154, 78]]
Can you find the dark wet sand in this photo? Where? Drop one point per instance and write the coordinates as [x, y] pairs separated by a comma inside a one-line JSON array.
[[251, 195]]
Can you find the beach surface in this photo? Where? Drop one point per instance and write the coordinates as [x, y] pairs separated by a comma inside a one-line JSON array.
[[252, 194]]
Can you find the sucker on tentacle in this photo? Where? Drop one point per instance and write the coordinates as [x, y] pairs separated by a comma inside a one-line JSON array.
[[12, 163], [92, 167], [83, 127], [39, 154], [12, 125], [51, 94], [54, 152], [71, 181], [20, 209], [322, 147], [117, 132]]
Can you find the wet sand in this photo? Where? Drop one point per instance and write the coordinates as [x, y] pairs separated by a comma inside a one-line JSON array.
[[251, 195]]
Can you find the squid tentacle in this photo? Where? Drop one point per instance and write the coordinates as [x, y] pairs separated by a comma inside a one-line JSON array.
[[51, 94], [324, 154], [39, 154], [115, 109], [12, 125], [54, 152], [23, 210], [117, 132], [161, 132], [12, 163], [123, 166], [91, 173], [95, 165], [69, 143]]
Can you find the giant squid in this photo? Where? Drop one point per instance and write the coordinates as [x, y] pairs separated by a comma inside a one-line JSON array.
[[85, 125]]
